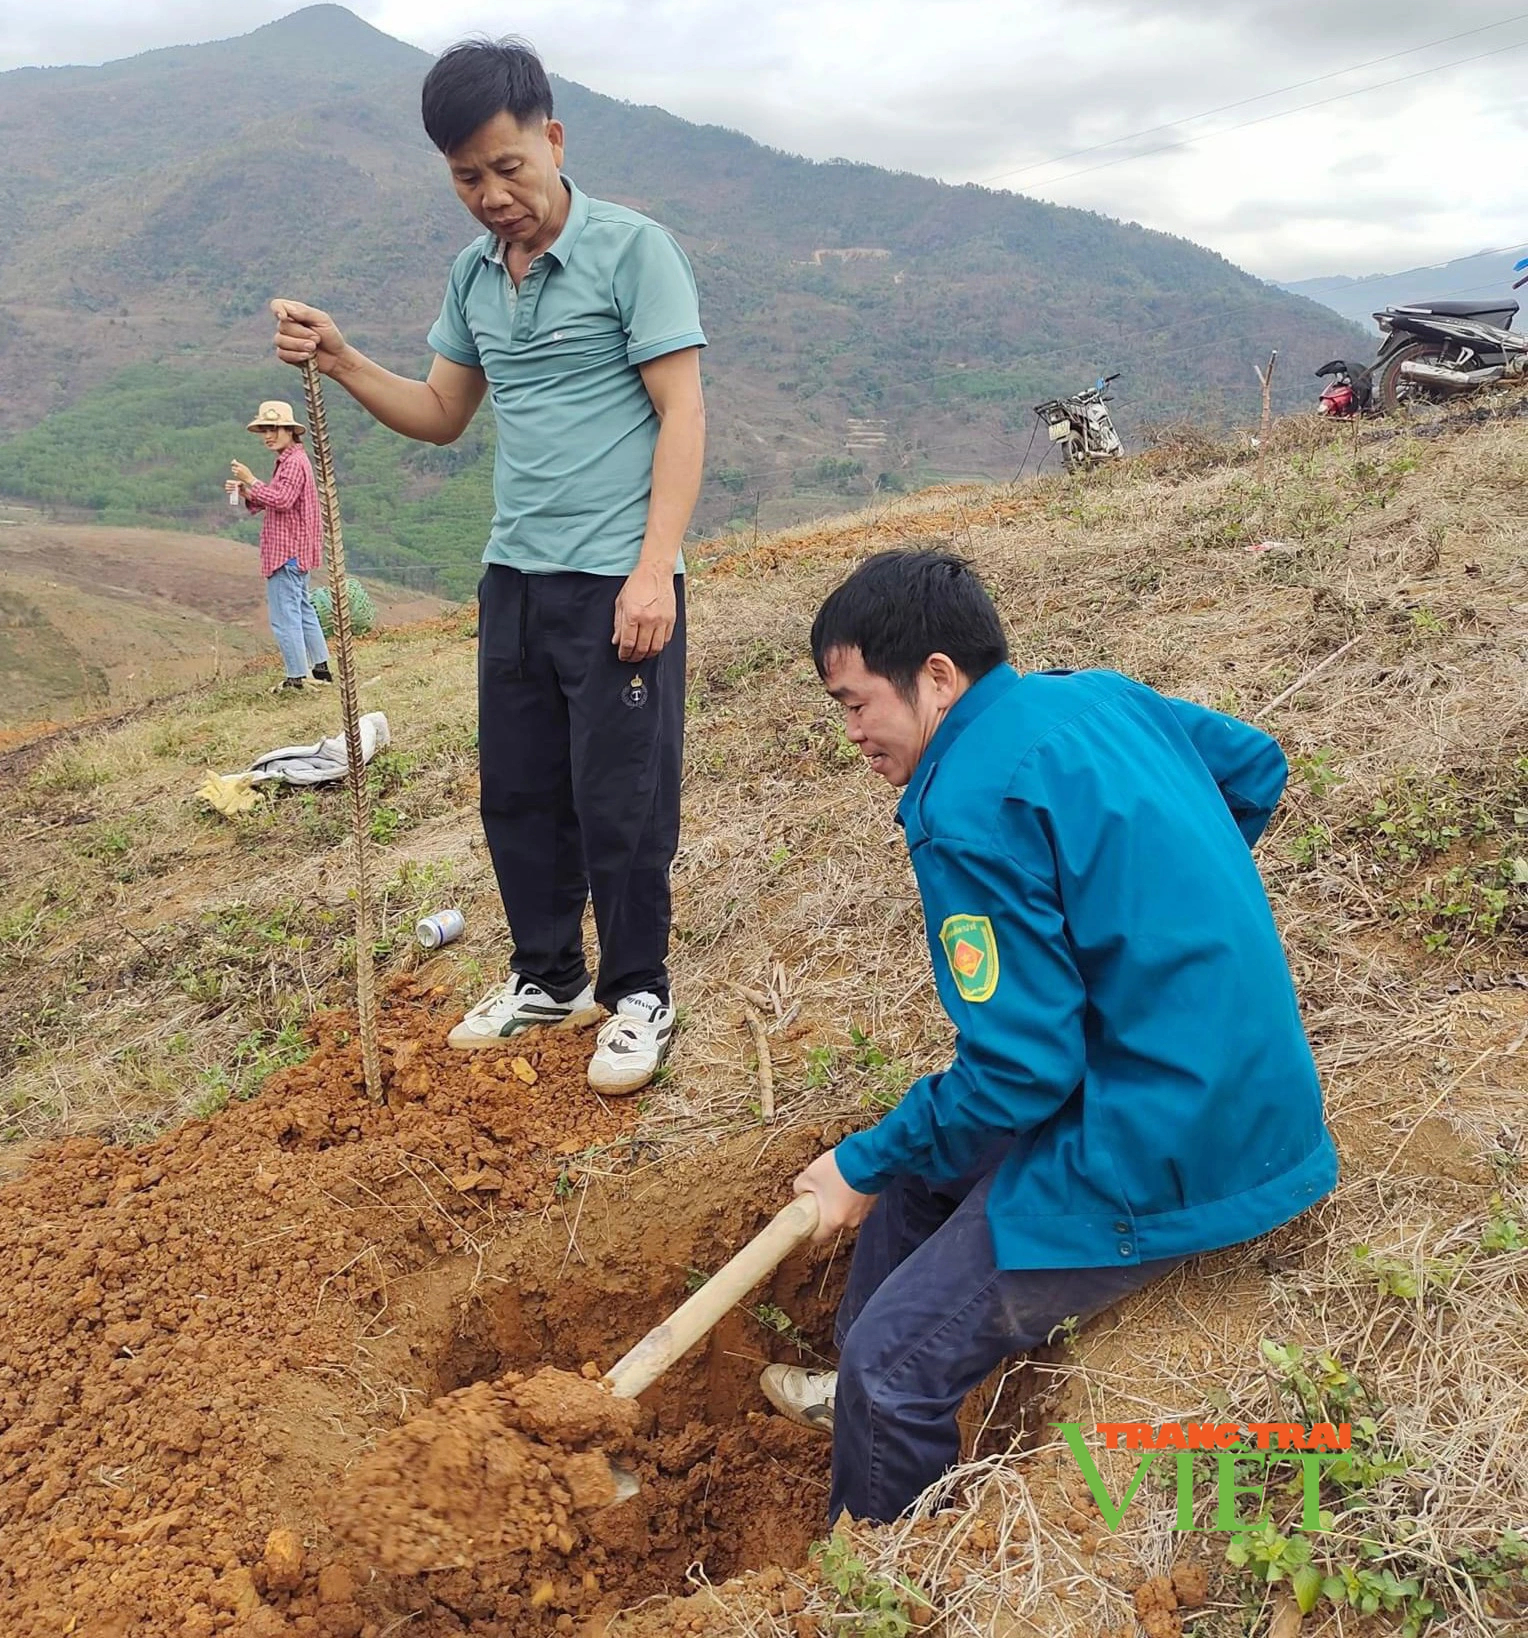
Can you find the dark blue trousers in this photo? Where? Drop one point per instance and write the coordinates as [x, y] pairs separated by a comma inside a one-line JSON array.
[[926, 1315]]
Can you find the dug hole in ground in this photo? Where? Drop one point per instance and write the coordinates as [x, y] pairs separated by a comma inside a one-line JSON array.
[[231, 1289], [252, 1299]]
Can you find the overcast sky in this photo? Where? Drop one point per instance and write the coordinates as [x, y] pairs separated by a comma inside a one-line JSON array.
[[970, 90]]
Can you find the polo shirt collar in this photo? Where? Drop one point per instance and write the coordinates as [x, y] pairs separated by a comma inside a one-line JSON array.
[[578, 214], [561, 248], [979, 697]]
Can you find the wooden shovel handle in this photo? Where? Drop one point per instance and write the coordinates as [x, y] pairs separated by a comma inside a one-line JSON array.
[[665, 1343]]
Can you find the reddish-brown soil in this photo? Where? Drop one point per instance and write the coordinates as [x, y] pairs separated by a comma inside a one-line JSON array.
[[493, 1469], [499, 1502], [203, 1335]]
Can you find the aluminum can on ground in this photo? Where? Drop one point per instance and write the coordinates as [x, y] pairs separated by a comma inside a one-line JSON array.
[[443, 927]]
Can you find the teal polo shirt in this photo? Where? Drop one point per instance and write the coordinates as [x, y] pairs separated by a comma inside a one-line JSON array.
[[573, 472]]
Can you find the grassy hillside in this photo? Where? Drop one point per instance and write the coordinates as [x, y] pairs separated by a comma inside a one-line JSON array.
[[213, 182], [295, 1272], [155, 443], [96, 619]]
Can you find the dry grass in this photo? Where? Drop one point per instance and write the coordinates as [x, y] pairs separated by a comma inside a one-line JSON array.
[[1410, 979], [792, 883]]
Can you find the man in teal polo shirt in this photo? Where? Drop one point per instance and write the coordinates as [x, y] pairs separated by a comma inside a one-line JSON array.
[[580, 319], [1131, 1082]]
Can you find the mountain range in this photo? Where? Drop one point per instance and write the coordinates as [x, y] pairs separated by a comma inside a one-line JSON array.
[[870, 330], [1487, 274]]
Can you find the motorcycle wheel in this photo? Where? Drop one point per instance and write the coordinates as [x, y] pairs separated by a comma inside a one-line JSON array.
[[1391, 389]]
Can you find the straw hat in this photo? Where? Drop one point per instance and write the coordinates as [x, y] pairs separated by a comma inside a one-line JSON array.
[[273, 413]]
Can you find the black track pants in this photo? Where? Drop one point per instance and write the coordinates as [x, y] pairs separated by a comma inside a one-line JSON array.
[[580, 757]]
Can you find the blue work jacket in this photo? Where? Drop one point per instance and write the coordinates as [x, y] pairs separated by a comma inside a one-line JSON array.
[[1104, 946]]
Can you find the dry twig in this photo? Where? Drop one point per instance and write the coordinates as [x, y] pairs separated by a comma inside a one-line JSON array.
[[1309, 677], [766, 1068]]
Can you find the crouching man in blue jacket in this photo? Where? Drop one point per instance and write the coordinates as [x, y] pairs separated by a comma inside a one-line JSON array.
[[1131, 1084]]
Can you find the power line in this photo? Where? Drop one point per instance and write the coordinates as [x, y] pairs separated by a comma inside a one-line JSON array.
[[1244, 102]]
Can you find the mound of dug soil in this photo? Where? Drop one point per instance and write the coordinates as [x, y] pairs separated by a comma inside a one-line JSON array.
[[492, 1125], [202, 1335], [495, 1468], [496, 1504]]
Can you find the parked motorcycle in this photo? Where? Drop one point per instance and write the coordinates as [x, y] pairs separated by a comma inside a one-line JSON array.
[[1350, 391], [1435, 350], [1083, 426], [1432, 351]]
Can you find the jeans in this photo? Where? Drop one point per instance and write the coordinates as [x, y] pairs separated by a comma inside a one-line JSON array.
[[579, 754], [294, 621], [926, 1315]]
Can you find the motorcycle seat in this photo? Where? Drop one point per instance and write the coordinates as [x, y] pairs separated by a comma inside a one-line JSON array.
[[1497, 312]]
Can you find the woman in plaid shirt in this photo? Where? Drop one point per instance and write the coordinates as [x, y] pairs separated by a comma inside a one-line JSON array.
[[291, 543]]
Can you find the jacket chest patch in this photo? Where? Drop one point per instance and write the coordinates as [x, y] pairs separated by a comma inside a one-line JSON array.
[[970, 947]]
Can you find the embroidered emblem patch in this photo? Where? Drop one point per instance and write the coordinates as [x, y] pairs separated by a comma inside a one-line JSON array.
[[635, 693], [970, 946]]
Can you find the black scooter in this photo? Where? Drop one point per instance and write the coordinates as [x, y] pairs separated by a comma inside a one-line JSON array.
[[1434, 350]]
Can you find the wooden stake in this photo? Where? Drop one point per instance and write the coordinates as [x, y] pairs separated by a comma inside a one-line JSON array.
[[344, 641], [755, 1003], [1266, 379], [755, 998]]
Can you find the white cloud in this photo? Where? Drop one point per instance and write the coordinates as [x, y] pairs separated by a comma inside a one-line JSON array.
[[1405, 173]]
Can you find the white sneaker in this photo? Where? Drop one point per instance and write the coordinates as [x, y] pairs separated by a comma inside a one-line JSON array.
[[804, 1396], [632, 1045], [521, 1005]]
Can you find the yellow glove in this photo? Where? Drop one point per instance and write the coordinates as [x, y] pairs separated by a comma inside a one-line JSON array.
[[230, 794]]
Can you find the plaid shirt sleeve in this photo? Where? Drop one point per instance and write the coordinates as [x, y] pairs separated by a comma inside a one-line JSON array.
[[284, 490], [291, 526]]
